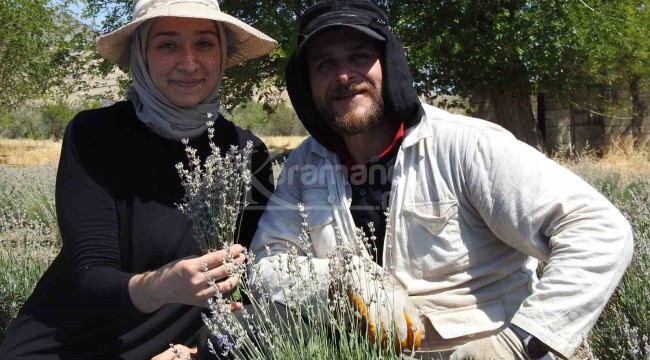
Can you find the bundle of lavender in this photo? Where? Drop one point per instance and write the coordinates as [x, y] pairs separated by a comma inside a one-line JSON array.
[[216, 191]]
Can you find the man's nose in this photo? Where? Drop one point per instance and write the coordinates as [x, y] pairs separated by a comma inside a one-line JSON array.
[[345, 73]]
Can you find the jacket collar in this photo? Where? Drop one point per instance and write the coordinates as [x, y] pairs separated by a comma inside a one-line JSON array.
[[422, 129]]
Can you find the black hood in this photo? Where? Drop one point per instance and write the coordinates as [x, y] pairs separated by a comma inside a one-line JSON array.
[[401, 101]]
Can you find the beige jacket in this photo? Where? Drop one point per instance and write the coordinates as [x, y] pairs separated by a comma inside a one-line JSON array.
[[471, 209]]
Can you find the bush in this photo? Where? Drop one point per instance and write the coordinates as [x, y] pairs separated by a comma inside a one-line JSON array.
[[280, 121], [45, 122], [55, 117]]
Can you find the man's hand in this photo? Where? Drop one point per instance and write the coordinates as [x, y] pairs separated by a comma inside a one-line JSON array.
[[382, 303]]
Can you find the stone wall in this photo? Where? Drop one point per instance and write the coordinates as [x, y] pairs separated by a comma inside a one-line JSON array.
[[574, 125]]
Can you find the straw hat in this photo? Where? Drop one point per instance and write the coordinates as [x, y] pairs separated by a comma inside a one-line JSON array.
[[244, 41]]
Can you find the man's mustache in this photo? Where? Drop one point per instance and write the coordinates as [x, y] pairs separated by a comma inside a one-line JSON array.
[[349, 90]]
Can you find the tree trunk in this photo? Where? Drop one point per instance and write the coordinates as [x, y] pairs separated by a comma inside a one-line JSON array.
[[640, 115], [511, 109]]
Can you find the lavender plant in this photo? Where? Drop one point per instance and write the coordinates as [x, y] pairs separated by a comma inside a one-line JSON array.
[[29, 236], [335, 329], [623, 330], [215, 192]]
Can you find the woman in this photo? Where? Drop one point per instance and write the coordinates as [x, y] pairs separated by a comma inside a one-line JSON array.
[[128, 281]]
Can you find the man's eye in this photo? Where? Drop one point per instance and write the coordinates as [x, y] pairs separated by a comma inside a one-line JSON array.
[[361, 56], [323, 65]]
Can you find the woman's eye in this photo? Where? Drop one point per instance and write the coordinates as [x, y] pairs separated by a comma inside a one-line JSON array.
[[206, 44], [166, 45]]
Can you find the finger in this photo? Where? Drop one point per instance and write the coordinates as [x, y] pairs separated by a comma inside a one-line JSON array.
[[360, 306], [414, 331], [166, 355], [236, 249], [236, 306], [225, 271], [218, 258], [228, 285], [222, 287], [401, 327]]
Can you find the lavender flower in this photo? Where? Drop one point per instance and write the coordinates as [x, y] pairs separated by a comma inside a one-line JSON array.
[[215, 192]]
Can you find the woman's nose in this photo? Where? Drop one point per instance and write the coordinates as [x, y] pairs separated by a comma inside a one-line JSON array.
[[187, 60]]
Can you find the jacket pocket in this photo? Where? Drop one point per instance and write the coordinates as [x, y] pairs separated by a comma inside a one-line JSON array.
[[468, 320], [434, 242], [320, 219]]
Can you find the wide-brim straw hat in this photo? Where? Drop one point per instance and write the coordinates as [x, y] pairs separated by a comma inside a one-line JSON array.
[[244, 42]]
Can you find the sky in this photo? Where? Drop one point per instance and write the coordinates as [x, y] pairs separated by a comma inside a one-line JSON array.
[[76, 8]]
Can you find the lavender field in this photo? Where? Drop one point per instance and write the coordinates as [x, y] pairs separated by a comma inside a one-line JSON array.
[[29, 240]]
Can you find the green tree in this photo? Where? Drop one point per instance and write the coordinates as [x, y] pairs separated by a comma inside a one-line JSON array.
[[503, 50], [619, 34], [40, 51]]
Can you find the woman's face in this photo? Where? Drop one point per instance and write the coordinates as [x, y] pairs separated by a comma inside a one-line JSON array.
[[184, 58]]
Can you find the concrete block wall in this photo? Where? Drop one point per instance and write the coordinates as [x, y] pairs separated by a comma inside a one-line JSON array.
[[576, 124]]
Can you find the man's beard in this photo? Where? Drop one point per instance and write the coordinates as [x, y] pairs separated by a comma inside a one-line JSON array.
[[350, 123]]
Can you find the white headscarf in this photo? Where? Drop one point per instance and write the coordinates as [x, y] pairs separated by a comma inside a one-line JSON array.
[[153, 108]]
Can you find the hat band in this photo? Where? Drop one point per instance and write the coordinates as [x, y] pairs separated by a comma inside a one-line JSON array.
[[151, 5]]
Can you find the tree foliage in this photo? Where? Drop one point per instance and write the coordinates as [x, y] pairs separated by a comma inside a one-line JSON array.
[[619, 36], [39, 51], [459, 46]]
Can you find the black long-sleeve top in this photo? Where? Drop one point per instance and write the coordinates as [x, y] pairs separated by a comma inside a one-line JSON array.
[[116, 193]]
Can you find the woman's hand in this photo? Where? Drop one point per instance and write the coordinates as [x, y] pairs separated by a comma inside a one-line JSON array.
[[170, 354], [184, 281]]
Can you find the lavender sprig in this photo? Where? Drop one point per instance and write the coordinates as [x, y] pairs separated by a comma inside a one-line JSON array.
[[215, 192]]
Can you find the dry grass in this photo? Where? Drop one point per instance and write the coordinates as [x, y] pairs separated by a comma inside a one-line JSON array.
[[622, 157], [281, 143], [22, 152]]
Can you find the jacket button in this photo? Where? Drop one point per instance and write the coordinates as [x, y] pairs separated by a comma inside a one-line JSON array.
[[362, 192], [330, 199]]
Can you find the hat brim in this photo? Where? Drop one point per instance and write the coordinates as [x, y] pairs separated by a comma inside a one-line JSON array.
[[363, 29], [244, 41]]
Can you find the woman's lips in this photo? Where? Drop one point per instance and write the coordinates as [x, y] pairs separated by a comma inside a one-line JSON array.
[[186, 83]]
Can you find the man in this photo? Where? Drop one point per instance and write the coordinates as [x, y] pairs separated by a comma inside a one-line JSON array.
[[471, 210]]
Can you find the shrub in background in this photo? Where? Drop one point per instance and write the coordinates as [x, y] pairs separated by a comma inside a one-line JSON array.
[[281, 121], [22, 122], [46, 121], [55, 117]]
